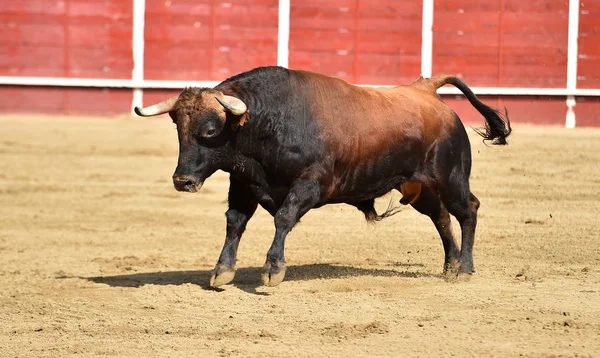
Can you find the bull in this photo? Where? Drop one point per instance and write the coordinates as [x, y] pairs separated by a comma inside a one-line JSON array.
[[297, 140]]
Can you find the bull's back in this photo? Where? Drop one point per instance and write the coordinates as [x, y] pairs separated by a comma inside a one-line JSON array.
[[374, 139]]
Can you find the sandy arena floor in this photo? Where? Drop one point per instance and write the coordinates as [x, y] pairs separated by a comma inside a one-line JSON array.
[[100, 256]]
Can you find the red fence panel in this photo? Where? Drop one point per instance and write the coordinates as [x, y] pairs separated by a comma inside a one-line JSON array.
[[366, 41], [503, 43], [70, 38], [490, 43], [548, 110], [65, 100], [466, 40], [588, 61], [66, 38], [33, 38], [587, 111], [322, 37], [208, 39]]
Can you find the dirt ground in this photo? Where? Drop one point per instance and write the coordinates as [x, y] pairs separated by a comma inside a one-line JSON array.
[[100, 256]]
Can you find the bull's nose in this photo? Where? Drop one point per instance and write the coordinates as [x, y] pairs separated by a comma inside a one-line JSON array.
[[187, 183]]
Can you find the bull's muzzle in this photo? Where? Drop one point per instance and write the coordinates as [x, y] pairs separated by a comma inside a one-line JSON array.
[[188, 183]]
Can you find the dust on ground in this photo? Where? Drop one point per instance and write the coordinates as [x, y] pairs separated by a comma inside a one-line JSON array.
[[100, 256]]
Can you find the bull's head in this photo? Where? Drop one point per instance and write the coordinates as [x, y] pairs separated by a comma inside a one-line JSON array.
[[205, 119]]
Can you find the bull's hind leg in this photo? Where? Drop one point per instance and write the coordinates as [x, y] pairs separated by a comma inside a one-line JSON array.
[[242, 206], [428, 204], [463, 205], [451, 161]]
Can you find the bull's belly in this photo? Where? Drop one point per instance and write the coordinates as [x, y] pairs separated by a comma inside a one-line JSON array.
[[366, 190], [350, 183], [373, 171], [374, 176], [348, 190]]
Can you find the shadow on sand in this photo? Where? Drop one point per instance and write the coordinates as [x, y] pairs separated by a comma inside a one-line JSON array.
[[248, 278]]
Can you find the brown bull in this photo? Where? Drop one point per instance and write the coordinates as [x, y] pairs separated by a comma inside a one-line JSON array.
[[296, 140]]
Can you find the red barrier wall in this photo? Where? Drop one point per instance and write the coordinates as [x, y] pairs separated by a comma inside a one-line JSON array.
[[208, 40], [65, 38], [588, 62], [490, 43], [369, 42], [509, 43]]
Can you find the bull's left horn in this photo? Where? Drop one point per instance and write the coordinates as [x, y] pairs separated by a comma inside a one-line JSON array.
[[233, 105], [156, 109]]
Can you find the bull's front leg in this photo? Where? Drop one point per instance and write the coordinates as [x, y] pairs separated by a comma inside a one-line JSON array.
[[303, 196], [261, 193], [242, 205], [249, 171]]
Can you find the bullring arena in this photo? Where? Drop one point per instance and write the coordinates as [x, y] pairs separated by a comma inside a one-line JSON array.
[[100, 256]]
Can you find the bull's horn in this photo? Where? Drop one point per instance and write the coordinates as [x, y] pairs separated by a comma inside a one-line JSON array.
[[233, 105], [156, 109]]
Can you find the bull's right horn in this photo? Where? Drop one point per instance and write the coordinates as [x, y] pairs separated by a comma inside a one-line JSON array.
[[156, 109], [233, 104]]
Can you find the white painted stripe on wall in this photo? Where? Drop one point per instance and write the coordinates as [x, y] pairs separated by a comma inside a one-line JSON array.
[[139, 12], [570, 120], [283, 34], [572, 55], [101, 82], [427, 39], [179, 85]]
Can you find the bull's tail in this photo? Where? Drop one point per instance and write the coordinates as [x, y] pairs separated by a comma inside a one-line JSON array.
[[497, 125]]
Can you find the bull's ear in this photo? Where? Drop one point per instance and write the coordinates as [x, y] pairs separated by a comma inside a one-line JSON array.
[[233, 105], [244, 118]]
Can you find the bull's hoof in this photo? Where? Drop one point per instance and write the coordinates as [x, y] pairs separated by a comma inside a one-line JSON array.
[[451, 267], [463, 277], [466, 268], [457, 271], [451, 270], [222, 275], [273, 274]]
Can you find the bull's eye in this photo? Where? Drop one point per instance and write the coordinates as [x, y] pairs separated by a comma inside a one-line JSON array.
[[209, 126]]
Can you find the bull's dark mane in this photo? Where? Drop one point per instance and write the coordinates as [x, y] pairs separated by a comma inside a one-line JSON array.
[[276, 108], [265, 90]]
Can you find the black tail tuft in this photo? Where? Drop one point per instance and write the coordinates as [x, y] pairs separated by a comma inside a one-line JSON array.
[[497, 126], [390, 211]]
